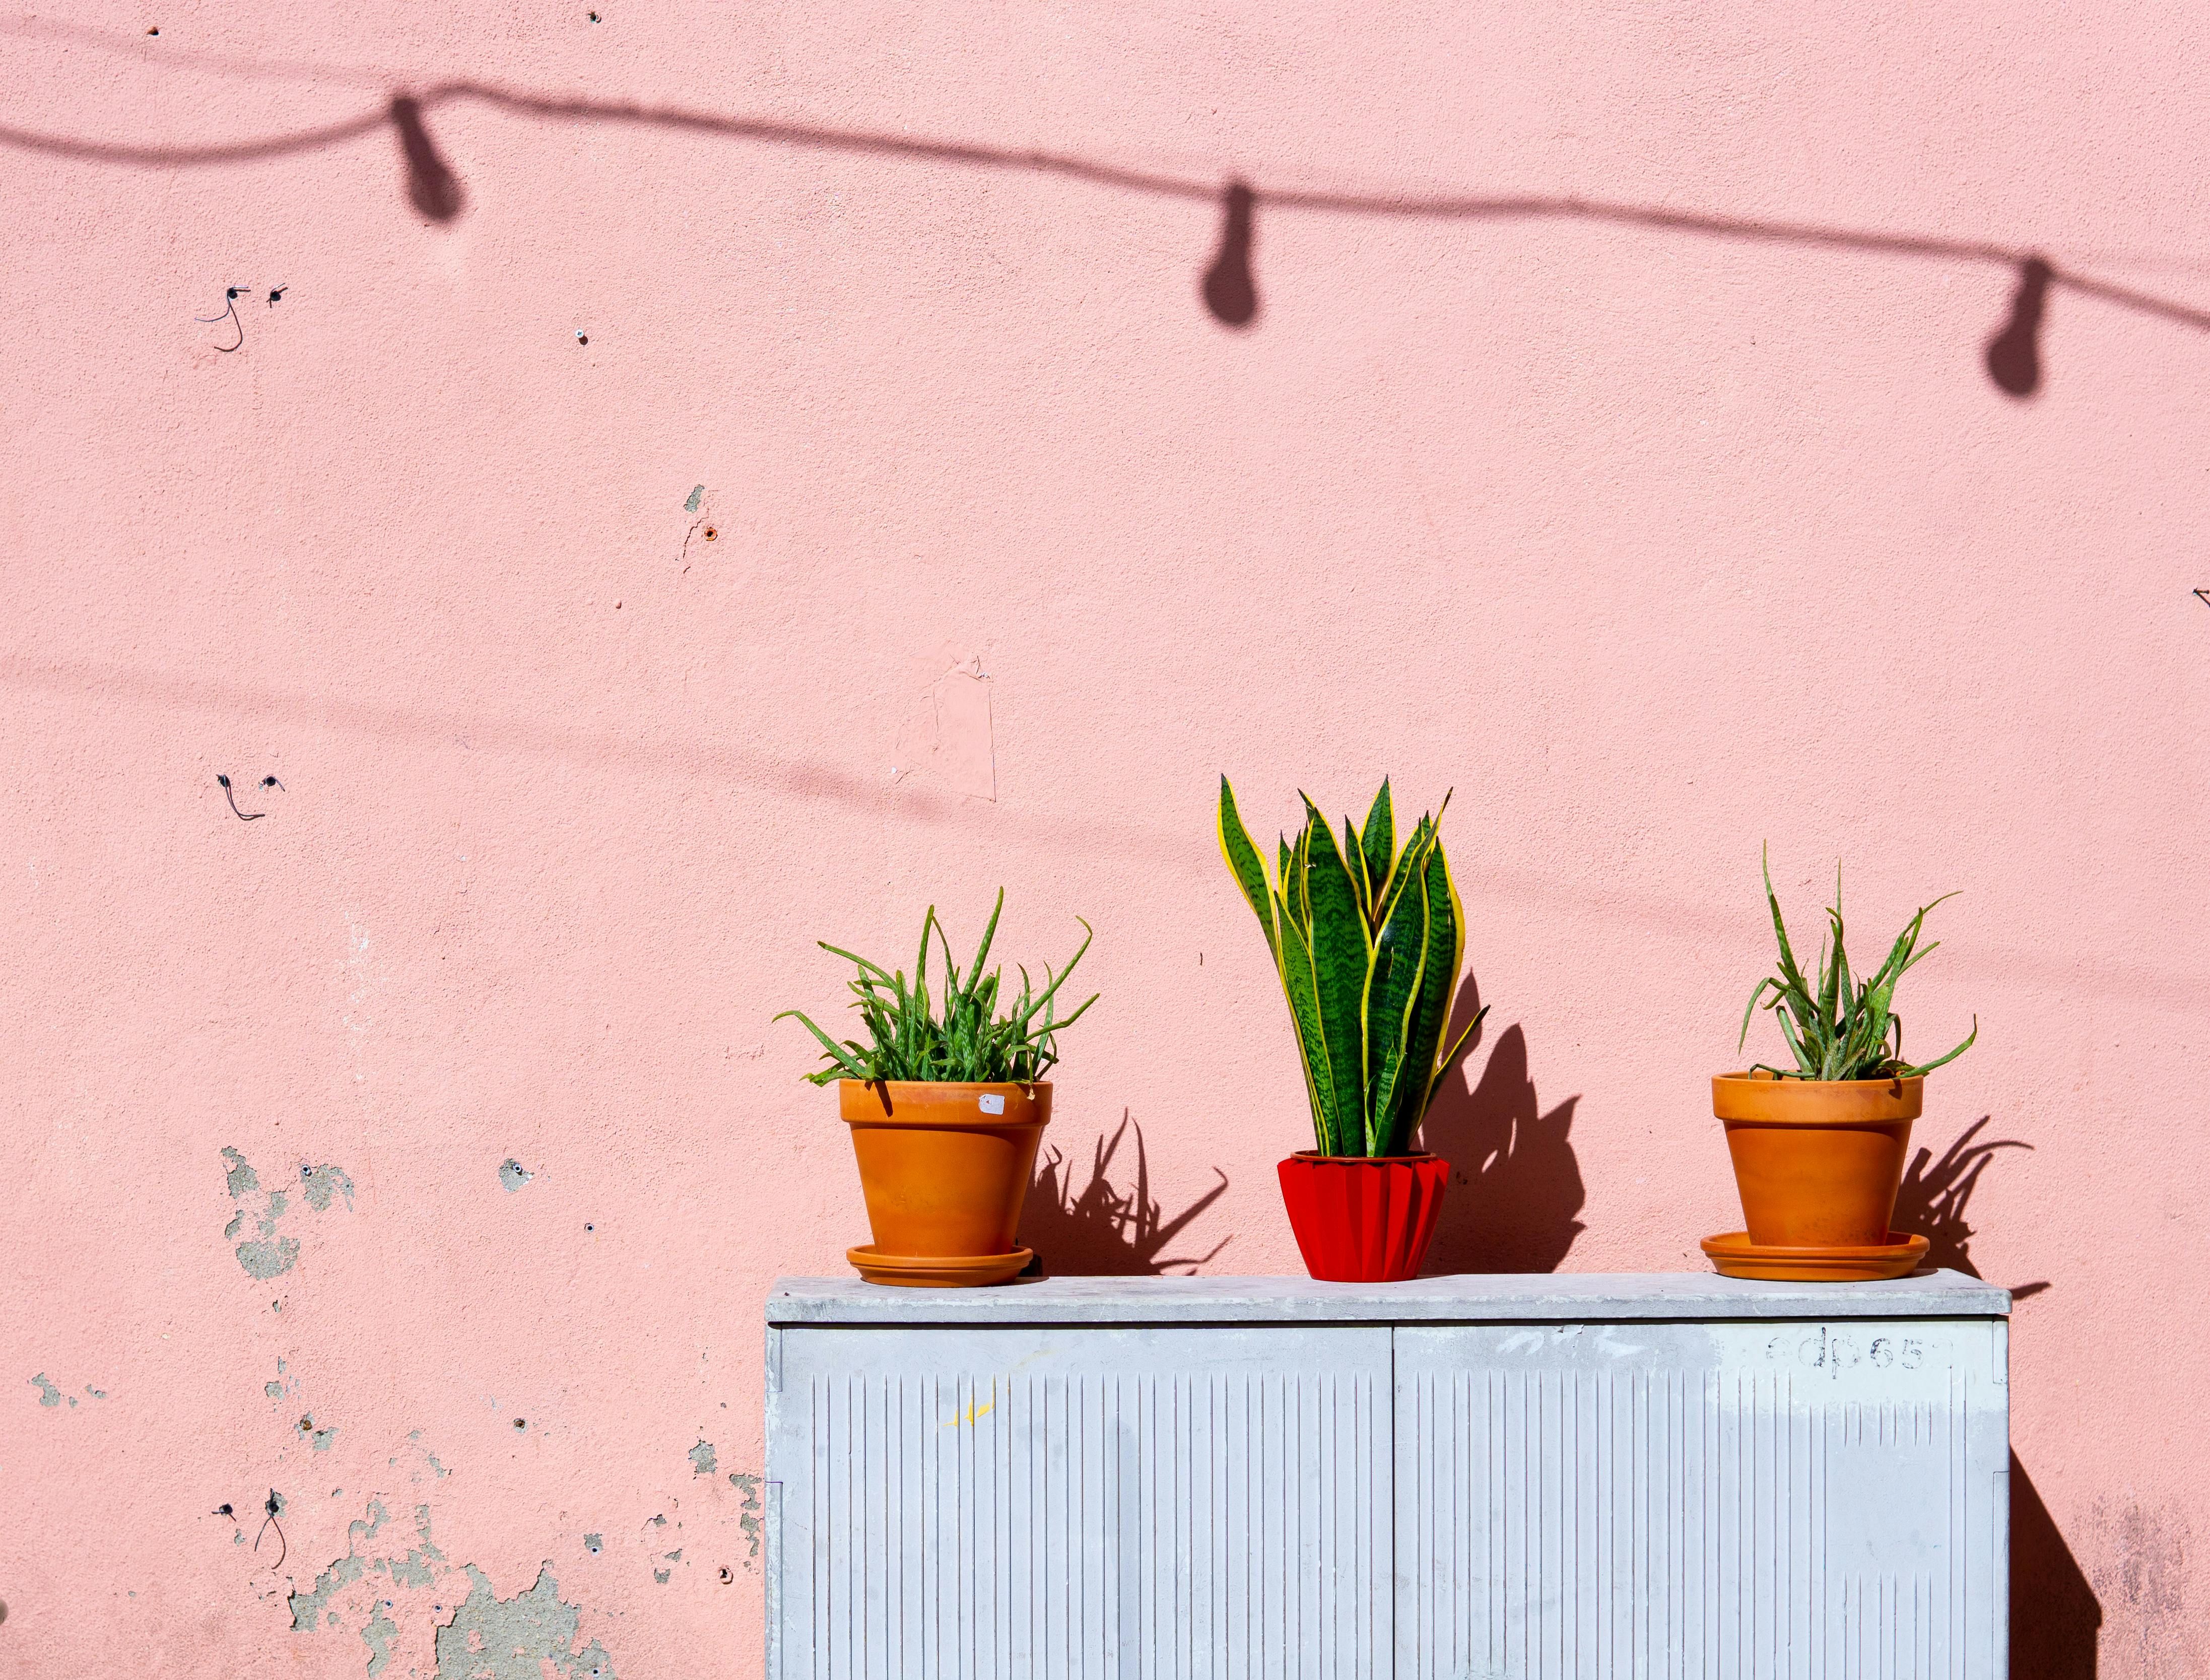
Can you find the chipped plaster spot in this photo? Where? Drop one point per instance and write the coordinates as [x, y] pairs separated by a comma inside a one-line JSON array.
[[48, 1394], [274, 1391], [513, 1174], [659, 1576], [691, 504], [595, 1543], [321, 1438], [527, 1637], [702, 1459]]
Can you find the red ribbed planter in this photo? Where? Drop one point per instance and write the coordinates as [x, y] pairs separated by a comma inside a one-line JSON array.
[[1364, 1218]]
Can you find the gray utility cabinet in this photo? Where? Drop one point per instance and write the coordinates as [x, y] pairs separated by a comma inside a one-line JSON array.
[[1503, 1477]]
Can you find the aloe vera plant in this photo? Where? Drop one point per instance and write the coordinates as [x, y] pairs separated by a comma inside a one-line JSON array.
[[1368, 939], [969, 1041], [1847, 1029]]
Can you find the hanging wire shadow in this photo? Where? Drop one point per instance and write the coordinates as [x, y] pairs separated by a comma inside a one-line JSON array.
[[1231, 294]]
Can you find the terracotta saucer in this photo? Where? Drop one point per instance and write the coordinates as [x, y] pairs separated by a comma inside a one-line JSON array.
[[936, 1271], [1735, 1256]]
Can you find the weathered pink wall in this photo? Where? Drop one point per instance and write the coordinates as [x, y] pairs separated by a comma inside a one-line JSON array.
[[1654, 544]]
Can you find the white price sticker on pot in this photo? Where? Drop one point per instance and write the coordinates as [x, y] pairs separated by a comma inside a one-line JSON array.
[[994, 1103]]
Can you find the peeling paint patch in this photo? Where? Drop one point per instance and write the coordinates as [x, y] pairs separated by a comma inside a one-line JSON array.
[[748, 1514], [948, 731], [526, 1637], [48, 1394], [595, 1543], [269, 1260], [241, 1181], [691, 504], [308, 1608], [321, 1183], [415, 1438], [378, 1637], [270, 1253], [702, 1459], [411, 1569], [321, 1438], [659, 1576], [513, 1174]]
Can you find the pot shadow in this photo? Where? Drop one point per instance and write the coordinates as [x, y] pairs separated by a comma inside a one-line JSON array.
[[2055, 1615], [1934, 1194], [1101, 1231], [1515, 1183]]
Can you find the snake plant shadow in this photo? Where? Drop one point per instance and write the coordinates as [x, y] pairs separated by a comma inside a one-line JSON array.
[[1935, 1194], [1103, 1229], [1515, 1183]]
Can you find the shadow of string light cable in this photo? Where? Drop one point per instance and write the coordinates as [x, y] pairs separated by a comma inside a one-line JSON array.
[[1229, 287]]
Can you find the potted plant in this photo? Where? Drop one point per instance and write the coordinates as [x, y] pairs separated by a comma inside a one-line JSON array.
[[1367, 939], [1818, 1148], [945, 1109]]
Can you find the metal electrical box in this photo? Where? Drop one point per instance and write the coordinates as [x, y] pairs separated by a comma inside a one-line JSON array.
[[1467, 1478]]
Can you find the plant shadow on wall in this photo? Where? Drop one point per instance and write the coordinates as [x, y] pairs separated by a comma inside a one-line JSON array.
[[1934, 1195], [1515, 1183], [1100, 1231]]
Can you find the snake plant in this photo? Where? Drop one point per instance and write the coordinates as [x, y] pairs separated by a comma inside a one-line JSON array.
[[971, 1042], [1847, 1031], [1368, 939]]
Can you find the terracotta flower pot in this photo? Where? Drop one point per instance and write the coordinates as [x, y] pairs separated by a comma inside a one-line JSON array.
[[1818, 1162], [945, 1167], [1364, 1218]]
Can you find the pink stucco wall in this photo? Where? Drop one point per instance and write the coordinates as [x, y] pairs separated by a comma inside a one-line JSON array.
[[1653, 541]]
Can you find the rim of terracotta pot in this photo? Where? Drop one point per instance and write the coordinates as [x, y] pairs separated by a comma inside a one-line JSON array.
[[1762, 1099], [930, 1103], [1363, 1160]]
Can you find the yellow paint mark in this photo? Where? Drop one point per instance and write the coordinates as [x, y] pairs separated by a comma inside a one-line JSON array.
[[974, 1412]]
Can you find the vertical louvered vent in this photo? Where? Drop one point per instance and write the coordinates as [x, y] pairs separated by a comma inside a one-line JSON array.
[[1668, 1500], [1133, 1502]]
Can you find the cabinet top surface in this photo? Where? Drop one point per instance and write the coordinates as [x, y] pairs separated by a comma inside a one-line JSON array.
[[1468, 1298]]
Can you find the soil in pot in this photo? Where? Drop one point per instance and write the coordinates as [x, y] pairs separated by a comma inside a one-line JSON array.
[[1818, 1162], [944, 1168], [1364, 1218]]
